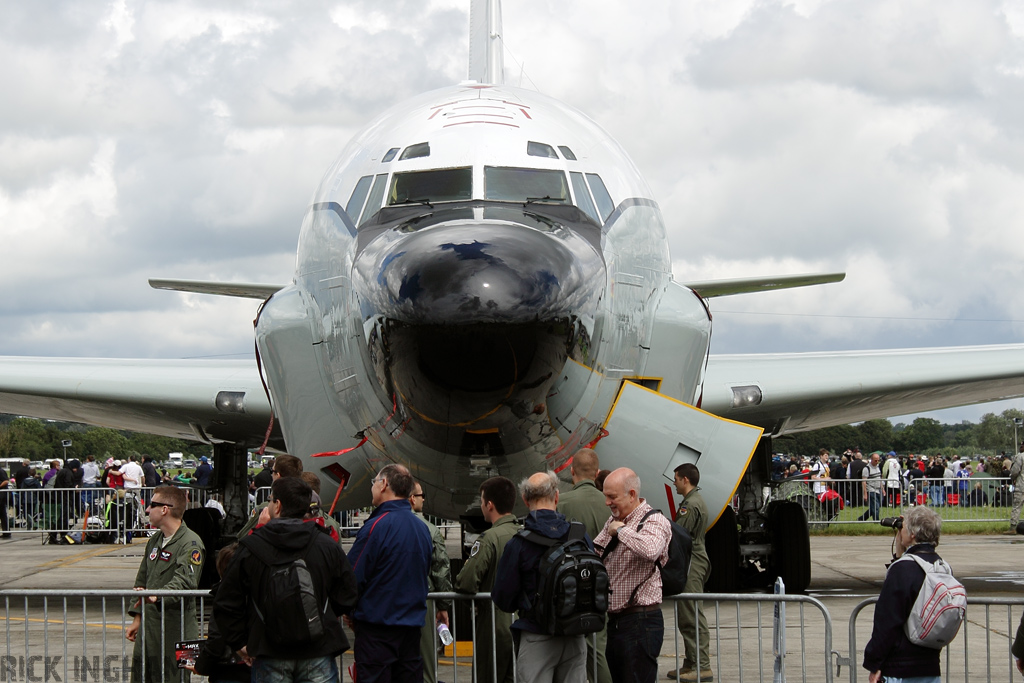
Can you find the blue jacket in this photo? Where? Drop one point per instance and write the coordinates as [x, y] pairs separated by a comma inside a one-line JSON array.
[[516, 581], [391, 560]]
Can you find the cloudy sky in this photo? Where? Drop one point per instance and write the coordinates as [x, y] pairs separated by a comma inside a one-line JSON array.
[[184, 139]]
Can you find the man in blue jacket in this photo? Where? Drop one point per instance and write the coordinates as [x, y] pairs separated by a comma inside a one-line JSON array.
[[391, 559], [541, 656]]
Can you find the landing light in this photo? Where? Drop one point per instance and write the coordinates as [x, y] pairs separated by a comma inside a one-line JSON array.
[[230, 401], [746, 396]]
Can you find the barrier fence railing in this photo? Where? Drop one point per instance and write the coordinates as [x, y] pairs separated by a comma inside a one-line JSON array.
[[87, 512], [78, 636], [960, 660], [843, 501]]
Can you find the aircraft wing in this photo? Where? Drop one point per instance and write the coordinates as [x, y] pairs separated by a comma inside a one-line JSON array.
[[803, 391], [205, 400]]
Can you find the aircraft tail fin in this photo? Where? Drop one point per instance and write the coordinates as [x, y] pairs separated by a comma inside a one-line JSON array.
[[486, 51], [247, 290], [712, 288]]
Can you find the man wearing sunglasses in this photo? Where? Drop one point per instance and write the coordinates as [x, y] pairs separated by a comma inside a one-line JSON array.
[[173, 561]]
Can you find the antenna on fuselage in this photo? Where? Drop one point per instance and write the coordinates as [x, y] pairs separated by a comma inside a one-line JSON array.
[[486, 53]]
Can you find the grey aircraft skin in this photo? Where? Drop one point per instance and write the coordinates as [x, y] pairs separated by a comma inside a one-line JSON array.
[[483, 286]]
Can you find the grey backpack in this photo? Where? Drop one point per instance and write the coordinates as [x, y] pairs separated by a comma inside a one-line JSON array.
[[939, 609]]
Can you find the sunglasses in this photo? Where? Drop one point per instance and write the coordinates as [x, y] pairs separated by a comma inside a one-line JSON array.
[[157, 504]]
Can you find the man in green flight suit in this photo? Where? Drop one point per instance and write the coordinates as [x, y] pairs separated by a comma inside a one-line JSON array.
[[585, 504], [173, 561], [693, 626], [439, 581], [497, 498]]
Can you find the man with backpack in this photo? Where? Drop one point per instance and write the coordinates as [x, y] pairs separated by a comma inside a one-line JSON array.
[[899, 647], [585, 503], [636, 627], [693, 625], [532, 574], [282, 595]]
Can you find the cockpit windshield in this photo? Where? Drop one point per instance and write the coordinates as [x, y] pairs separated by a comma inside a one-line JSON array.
[[441, 185], [525, 184]]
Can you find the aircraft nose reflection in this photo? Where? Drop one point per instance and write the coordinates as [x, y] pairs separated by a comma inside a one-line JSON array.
[[475, 321], [477, 273]]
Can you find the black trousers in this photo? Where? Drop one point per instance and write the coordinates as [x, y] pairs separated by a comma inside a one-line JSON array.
[[389, 654]]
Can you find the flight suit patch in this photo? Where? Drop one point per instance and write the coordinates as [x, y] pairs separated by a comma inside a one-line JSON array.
[[166, 555], [152, 555], [196, 557], [475, 549], [682, 510]]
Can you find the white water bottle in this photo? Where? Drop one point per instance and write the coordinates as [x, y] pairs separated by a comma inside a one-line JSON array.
[[444, 634]]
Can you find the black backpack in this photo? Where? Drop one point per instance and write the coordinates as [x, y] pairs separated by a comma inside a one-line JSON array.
[[287, 596], [676, 570], [572, 585]]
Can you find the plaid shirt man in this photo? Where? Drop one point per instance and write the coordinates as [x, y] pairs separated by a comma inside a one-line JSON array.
[[631, 562]]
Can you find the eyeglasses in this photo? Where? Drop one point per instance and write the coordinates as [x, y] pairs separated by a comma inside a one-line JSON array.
[[157, 504], [419, 495]]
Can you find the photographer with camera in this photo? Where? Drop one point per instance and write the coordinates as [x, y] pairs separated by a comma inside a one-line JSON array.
[[891, 653]]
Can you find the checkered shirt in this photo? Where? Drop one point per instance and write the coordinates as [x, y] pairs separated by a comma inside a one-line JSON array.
[[631, 563]]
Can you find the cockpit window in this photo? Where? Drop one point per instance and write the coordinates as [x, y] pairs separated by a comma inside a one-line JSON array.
[[582, 194], [441, 185], [539, 149], [567, 153], [525, 184], [376, 196], [421, 149], [358, 198], [390, 155], [605, 206]]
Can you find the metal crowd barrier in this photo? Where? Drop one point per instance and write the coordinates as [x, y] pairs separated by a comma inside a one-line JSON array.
[[960, 660], [77, 636], [956, 499], [87, 514]]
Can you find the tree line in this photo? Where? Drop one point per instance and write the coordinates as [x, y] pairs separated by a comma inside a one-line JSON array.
[[25, 437], [992, 435]]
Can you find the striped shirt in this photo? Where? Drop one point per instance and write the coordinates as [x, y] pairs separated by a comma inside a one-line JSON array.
[[631, 563]]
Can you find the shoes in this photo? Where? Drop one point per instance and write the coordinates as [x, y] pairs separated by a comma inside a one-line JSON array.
[[1010, 532], [691, 676], [674, 674]]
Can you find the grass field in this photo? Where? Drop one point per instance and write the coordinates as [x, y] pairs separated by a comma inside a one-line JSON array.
[[957, 520]]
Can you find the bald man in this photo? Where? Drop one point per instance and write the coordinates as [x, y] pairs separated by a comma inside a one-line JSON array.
[[542, 656], [633, 543]]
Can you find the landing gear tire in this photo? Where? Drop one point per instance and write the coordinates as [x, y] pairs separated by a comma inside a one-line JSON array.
[[723, 545], [791, 545]]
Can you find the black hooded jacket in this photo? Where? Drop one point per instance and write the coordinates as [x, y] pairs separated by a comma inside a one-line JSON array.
[[244, 582]]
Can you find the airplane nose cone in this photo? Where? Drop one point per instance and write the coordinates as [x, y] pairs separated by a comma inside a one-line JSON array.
[[486, 273]]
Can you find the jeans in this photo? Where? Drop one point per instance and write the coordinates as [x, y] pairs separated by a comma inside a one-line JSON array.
[[874, 506], [913, 679], [314, 670], [634, 643]]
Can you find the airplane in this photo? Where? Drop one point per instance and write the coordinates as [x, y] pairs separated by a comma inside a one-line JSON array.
[[482, 287]]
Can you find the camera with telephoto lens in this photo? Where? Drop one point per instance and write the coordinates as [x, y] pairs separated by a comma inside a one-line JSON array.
[[892, 522]]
